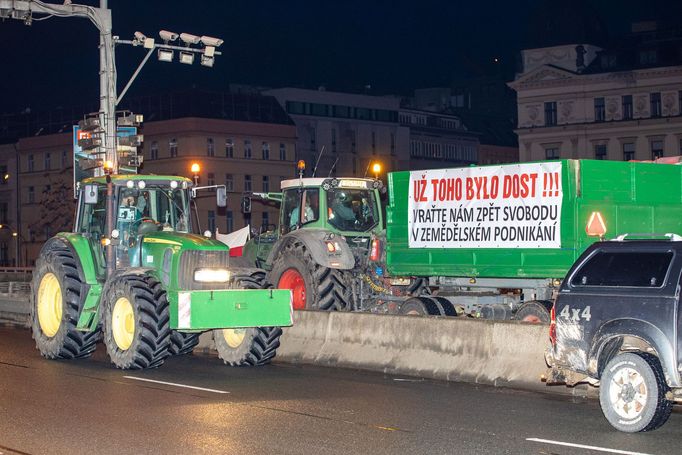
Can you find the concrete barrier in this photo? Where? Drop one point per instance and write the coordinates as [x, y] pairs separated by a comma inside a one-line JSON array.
[[14, 310], [501, 353]]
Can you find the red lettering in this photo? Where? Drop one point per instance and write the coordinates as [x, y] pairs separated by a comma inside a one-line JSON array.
[[470, 189]]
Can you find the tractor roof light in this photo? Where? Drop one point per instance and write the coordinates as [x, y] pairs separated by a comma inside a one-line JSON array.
[[141, 184], [173, 184], [300, 165]]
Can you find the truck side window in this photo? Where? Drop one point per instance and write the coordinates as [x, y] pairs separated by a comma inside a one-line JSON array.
[[620, 268]]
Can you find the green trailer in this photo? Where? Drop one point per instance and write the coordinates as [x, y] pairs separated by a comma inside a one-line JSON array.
[[496, 241]]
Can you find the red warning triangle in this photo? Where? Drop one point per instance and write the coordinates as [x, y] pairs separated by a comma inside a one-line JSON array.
[[595, 225]]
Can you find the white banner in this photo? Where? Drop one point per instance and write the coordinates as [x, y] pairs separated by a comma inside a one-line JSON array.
[[508, 206]]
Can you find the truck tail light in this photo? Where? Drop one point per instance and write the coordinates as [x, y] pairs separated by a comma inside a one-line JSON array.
[[552, 325], [596, 226], [374, 251]]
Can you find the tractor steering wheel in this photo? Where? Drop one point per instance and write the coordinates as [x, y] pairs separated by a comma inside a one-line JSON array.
[[145, 225]]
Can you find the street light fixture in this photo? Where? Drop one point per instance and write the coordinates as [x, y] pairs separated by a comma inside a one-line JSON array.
[[165, 55], [186, 57]]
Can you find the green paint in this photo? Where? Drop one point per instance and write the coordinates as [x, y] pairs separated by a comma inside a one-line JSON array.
[[234, 308], [632, 197]]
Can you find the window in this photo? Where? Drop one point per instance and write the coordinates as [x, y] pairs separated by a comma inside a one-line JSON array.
[[633, 269], [229, 218], [266, 151], [374, 143], [628, 151], [48, 161], [648, 57], [313, 140], [31, 163], [229, 182], [599, 110], [393, 144], [247, 183], [550, 113], [3, 181], [31, 195], [656, 148], [266, 221], [211, 220], [211, 179], [247, 149], [600, 151], [4, 211], [210, 147], [655, 99], [154, 150], [282, 152], [173, 147], [65, 158], [334, 140], [627, 107], [266, 184], [229, 148], [552, 153]]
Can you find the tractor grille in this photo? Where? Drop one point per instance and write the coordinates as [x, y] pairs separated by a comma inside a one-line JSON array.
[[192, 260]]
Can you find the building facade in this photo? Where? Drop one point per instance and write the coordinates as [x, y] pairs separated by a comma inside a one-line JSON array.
[[583, 101], [251, 147]]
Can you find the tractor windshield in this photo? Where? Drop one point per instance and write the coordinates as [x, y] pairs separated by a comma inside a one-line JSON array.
[[166, 206], [352, 209]]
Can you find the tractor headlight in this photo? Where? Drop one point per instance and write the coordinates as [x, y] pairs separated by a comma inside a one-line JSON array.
[[212, 275]]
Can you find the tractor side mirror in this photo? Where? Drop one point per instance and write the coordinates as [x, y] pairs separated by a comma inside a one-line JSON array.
[[90, 194], [221, 196]]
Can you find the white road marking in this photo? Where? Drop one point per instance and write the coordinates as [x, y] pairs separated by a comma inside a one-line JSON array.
[[582, 446], [176, 385]]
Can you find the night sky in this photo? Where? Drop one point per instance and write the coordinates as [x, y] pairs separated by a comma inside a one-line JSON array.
[[392, 45]]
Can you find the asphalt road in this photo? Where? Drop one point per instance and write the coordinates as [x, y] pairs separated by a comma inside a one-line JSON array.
[[87, 406]]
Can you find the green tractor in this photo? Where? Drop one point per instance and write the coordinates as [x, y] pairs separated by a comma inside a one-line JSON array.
[[326, 245], [134, 274]]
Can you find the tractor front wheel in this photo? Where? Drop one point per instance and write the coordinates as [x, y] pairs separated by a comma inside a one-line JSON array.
[[135, 320], [250, 346]]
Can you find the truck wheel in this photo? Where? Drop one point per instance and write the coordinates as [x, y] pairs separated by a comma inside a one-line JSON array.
[[55, 307], [313, 287], [136, 323], [535, 311], [250, 346], [419, 306], [182, 343], [633, 391]]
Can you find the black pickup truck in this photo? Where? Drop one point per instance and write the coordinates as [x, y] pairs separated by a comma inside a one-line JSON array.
[[616, 324]]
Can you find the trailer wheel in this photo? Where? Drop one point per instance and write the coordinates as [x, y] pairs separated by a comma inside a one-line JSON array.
[[633, 391], [250, 346], [313, 286], [136, 320], [419, 306], [55, 307], [535, 311], [182, 343]]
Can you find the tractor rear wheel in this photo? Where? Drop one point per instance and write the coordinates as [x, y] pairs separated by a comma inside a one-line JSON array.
[[56, 306], [249, 346], [136, 323], [314, 287]]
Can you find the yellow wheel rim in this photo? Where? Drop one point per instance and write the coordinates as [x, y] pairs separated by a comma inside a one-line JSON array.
[[123, 323], [50, 309], [234, 337]]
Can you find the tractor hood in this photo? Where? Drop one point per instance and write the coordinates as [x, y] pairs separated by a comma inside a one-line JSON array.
[[183, 241]]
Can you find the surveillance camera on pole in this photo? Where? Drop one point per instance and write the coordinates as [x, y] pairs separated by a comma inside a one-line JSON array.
[[168, 36], [211, 41], [188, 38]]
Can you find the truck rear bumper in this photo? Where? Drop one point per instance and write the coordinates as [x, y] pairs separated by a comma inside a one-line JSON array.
[[230, 308]]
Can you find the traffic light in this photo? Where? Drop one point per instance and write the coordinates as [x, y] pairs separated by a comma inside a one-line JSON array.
[[246, 204]]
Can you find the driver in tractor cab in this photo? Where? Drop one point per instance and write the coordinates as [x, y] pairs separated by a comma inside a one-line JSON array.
[[342, 208], [131, 209]]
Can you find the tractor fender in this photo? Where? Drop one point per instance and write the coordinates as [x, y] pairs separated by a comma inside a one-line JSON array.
[[80, 247], [316, 241], [129, 271]]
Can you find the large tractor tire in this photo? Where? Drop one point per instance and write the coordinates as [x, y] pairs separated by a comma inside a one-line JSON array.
[[251, 346], [135, 320], [55, 307], [314, 287], [182, 343], [632, 393]]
